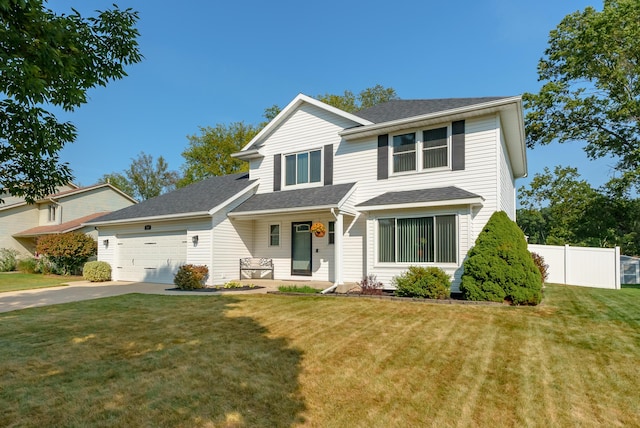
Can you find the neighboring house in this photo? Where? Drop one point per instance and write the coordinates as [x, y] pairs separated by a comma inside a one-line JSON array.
[[402, 183], [65, 211]]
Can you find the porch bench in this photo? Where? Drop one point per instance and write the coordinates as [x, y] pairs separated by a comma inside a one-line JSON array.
[[253, 264]]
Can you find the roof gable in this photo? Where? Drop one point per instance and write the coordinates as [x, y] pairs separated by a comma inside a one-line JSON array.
[[287, 112]]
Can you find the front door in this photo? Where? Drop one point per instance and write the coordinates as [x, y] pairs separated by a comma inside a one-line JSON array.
[[301, 248]]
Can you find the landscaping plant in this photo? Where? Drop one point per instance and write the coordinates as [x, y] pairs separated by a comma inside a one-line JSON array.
[[8, 259], [191, 277], [499, 267], [426, 282], [541, 265], [370, 285], [28, 265], [298, 289], [97, 271], [67, 251]]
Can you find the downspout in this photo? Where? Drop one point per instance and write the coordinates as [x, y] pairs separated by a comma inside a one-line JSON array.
[[335, 283]]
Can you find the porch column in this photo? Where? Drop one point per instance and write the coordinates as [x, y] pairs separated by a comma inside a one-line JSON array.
[[338, 250]]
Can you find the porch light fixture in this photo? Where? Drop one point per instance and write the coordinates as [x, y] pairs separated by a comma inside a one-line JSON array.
[[195, 240], [105, 242]]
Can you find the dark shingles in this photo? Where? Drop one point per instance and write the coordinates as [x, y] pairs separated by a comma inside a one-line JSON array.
[[420, 195], [301, 198], [195, 198], [403, 109]]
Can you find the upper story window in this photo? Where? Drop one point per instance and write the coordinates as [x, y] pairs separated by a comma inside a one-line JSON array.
[[420, 151], [52, 213], [303, 168]]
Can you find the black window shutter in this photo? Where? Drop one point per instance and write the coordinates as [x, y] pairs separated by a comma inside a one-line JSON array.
[[328, 165], [457, 145], [277, 172], [383, 157]]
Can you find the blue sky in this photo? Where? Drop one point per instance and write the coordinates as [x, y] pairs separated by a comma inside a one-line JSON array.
[[209, 62]]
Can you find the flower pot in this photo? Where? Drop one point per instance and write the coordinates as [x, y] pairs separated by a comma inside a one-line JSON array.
[[319, 234]]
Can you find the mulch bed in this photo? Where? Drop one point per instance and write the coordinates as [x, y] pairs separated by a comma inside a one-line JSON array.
[[214, 289]]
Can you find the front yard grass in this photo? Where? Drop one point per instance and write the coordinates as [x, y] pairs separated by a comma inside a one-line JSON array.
[[273, 360], [15, 281]]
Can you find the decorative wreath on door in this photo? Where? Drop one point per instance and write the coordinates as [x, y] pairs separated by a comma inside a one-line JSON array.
[[318, 229]]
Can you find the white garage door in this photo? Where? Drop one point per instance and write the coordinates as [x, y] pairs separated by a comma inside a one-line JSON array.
[[151, 257]]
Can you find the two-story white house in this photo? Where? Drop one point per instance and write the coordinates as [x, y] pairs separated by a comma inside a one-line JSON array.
[[407, 182]]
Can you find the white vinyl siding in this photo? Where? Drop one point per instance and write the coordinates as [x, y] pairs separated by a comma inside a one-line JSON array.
[[480, 176], [507, 183], [308, 128]]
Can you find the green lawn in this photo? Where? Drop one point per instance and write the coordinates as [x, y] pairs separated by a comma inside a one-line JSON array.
[[13, 281], [273, 360]]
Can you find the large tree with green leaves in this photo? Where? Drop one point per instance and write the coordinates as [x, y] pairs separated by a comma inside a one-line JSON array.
[[591, 85], [366, 98], [49, 59], [209, 153], [559, 207], [144, 178]]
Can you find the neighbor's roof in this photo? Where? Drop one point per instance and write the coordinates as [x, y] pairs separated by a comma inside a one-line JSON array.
[[314, 198], [403, 109], [450, 195], [78, 190], [196, 199], [65, 227]]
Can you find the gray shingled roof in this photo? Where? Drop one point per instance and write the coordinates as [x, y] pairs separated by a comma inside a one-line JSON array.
[[301, 198], [195, 198], [421, 195], [402, 109]]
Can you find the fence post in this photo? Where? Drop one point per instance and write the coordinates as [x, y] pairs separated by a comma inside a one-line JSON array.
[[617, 269], [566, 262]]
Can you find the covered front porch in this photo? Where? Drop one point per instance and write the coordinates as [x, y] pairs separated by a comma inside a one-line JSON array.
[[281, 224]]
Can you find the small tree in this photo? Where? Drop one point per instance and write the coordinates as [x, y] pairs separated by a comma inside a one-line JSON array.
[[499, 267], [67, 251]]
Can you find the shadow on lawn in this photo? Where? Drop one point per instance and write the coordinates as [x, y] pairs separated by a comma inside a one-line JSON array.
[[147, 361]]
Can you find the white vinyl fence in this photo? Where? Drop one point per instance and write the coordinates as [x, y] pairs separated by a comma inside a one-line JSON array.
[[589, 267]]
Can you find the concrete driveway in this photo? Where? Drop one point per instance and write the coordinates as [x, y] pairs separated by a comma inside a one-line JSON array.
[[85, 290]]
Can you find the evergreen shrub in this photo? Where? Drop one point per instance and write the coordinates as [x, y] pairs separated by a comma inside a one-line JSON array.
[[426, 282], [191, 277], [499, 267], [97, 271]]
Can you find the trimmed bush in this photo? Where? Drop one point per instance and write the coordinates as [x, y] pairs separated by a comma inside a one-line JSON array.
[[425, 282], [8, 259], [28, 265], [541, 265], [499, 267], [68, 252], [191, 277], [97, 271]]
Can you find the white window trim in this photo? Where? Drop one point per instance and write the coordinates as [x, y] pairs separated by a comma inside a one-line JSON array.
[[376, 253], [279, 234], [283, 173], [419, 137]]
